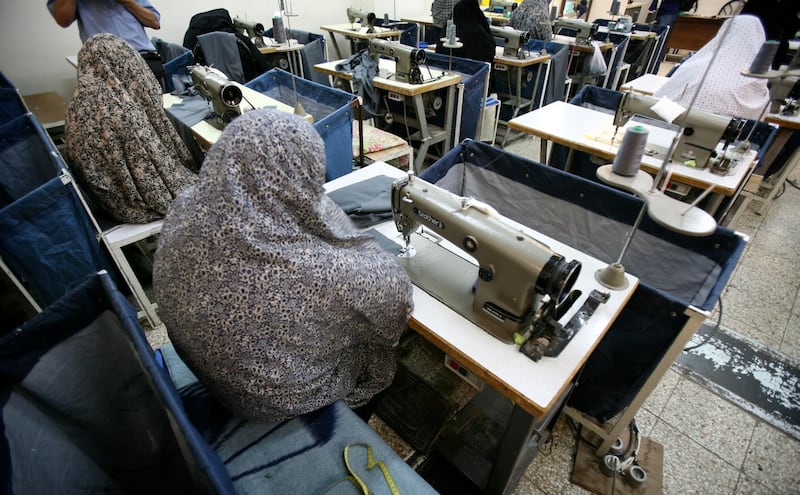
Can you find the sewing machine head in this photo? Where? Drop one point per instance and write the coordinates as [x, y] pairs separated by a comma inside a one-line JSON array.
[[505, 7], [408, 59], [515, 41], [583, 30], [367, 18], [623, 24], [702, 130], [253, 30], [516, 274], [224, 96]]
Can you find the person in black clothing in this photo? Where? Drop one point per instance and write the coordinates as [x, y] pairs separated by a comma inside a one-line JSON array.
[[781, 20], [472, 29]]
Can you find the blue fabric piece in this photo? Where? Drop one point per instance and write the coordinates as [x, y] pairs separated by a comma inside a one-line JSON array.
[[331, 108], [46, 237], [301, 455], [177, 67], [221, 51], [84, 404], [558, 205]]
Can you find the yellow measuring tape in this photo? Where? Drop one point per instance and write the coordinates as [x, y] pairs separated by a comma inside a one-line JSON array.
[[371, 463]]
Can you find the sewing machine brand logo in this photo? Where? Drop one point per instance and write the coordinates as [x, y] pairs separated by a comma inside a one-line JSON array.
[[431, 220]]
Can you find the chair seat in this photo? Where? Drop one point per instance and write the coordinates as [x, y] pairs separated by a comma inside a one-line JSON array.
[[380, 145]]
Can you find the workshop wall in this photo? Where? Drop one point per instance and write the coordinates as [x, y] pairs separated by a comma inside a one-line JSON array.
[[33, 48]]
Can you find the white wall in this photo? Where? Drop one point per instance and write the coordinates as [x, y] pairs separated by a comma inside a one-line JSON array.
[[705, 7], [33, 47]]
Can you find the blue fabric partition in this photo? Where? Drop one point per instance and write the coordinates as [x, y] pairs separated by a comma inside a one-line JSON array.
[[331, 108], [85, 402], [46, 237], [313, 52], [177, 67], [596, 219], [505, 81], [11, 103]]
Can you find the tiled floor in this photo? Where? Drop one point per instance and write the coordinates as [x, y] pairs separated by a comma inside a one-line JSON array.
[[710, 445]]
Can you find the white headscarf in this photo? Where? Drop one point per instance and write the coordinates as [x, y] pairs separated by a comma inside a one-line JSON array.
[[725, 90]]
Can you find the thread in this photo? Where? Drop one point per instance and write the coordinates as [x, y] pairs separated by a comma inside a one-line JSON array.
[[553, 13], [614, 8], [629, 155], [763, 60], [451, 32], [278, 33]]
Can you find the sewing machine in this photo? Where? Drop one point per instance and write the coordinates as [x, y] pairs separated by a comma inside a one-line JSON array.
[[583, 30], [215, 87], [505, 7], [702, 130], [520, 286], [515, 41], [253, 30], [354, 15], [408, 59], [623, 24]]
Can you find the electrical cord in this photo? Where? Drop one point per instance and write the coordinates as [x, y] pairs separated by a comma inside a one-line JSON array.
[[793, 183], [711, 333]]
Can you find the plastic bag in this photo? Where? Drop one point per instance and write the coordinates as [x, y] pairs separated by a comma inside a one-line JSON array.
[[597, 66]]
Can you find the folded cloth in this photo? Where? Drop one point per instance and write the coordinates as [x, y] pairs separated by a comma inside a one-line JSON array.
[[368, 202]]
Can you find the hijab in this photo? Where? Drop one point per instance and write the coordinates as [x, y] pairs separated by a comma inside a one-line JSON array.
[[725, 90], [533, 16], [472, 29], [121, 145], [268, 291]]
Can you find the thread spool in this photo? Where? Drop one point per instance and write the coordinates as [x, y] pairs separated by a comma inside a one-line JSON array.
[[553, 13], [451, 33], [614, 8], [763, 60], [629, 156], [278, 33]]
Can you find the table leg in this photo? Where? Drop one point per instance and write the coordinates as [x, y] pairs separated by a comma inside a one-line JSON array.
[[543, 158], [336, 47], [517, 103]]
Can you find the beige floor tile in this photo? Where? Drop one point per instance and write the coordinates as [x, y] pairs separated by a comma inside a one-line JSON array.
[[749, 486], [690, 468], [773, 459], [550, 470], [711, 421], [658, 399]]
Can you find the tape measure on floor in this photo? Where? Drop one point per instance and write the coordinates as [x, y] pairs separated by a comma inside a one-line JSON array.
[[371, 463]]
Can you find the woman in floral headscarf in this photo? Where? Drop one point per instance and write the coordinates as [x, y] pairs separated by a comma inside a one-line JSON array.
[[533, 16], [269, 293], [120, 143]]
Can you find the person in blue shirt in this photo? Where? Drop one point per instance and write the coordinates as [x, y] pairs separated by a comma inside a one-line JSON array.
[[123, 18]]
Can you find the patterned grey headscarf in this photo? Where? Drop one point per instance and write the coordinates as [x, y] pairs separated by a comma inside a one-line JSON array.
[[269, 293], [121, 145]]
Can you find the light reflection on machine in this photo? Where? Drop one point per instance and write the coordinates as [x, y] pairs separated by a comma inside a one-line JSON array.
[[224, 95], [521, 287]]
